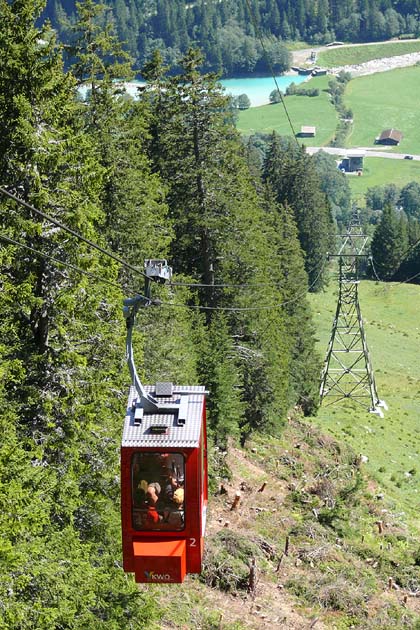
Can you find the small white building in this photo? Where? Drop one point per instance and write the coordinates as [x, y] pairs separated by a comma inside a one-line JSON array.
[[307, 132]]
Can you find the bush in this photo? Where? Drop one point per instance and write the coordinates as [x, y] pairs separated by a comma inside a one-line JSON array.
[[227, 561], [275, 96], [293, 90], [242, 101], [343, 589]]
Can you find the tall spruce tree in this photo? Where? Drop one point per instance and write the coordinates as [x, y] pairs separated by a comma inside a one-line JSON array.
[[294, 180], [223, 237], [305, 364], [132, 197], [60, 354], [389, 244]]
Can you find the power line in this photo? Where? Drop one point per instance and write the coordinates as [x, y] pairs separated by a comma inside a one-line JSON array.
[[12, 241], [200, 285], [71, 231], [248, 308], [259, 35], [242, 286]]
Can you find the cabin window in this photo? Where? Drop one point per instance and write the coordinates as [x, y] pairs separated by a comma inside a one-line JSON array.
[[158, 491]]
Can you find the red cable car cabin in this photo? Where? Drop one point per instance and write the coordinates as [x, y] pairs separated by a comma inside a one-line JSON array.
[[164, 483]]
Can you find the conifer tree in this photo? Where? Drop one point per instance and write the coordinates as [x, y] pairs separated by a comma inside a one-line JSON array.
[[132, 197], [63, 352], [222, 236], [305, 364], [389, 244], [293, 178]]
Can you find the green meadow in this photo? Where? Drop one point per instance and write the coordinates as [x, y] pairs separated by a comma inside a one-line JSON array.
[[392, 443], [351, 55], [382, 171], [303, 110], [378, 101], [382, 101]]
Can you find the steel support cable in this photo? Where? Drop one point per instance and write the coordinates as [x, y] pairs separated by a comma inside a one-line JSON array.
[[396, 284], [94, 276], [246, 308], [71, 231], [404, 255], [374, 269], [200, 285], [115, 285], [259, 35], [156, 302]]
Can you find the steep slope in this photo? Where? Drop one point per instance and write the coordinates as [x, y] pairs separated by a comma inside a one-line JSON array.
[[312, 543]]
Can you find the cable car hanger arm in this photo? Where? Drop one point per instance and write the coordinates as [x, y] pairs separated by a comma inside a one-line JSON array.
[[158, 271], [130, 308]]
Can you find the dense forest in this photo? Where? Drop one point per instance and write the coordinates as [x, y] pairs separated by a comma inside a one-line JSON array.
[[242, 36], [89, 189]]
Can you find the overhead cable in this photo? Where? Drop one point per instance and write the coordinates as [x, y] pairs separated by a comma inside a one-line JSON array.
[[71, 231], [274, 285], [395, 284], [12, 241], [248, 308], [259, 35]]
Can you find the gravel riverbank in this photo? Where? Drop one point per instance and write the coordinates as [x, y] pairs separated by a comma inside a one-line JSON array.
[[380, 65]]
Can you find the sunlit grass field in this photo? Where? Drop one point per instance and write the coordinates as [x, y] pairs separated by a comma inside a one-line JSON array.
[[392, 443], [379, 101], [382, 101], [303, 110], [382, 171], [351, 55]]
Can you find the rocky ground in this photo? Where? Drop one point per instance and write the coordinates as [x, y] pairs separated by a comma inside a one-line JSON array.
[[369, 67], [381, 65]]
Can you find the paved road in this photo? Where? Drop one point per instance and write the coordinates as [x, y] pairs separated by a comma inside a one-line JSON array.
[[368, 152]]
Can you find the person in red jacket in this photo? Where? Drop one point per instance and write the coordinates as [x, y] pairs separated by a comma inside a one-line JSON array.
[[152, 517]]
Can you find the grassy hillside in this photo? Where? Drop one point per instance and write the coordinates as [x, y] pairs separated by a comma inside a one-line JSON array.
[[350, 55], [303, 110], [379, 101], [384, 100], [392, 444], [318, 539], [381, 171]]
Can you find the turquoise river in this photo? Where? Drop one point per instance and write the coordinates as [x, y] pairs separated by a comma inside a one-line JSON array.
[[258, 89]]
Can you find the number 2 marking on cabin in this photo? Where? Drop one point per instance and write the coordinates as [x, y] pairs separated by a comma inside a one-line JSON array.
[[193, 542]]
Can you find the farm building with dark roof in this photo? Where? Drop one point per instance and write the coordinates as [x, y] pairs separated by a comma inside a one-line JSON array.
[[390, 136]]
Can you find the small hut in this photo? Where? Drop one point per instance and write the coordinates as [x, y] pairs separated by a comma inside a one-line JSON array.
[[390, 137], [307, 132], [352, 162]]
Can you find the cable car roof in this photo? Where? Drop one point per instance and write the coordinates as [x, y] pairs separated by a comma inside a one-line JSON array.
[[177, 428]]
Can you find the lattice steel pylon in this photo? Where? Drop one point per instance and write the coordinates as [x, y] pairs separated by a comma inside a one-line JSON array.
[[347, 372]]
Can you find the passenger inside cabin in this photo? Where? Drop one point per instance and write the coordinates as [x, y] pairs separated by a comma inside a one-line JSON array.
[[152, 517], [157, 491], [173, 515]]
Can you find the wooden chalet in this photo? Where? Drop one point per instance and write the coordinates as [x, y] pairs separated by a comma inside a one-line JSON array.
[[390, 137]]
